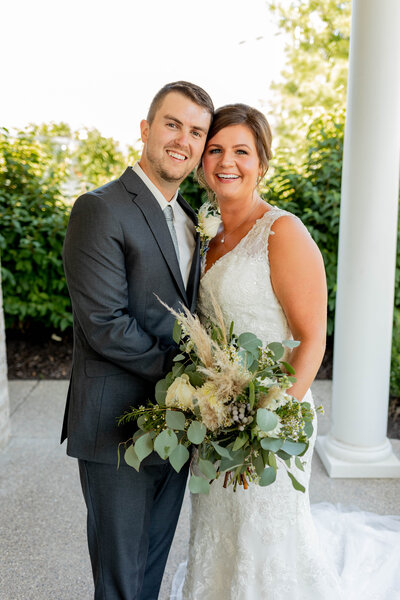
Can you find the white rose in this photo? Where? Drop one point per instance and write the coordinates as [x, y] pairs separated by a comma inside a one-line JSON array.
[[210, 225], [275, 398], [180, 393]]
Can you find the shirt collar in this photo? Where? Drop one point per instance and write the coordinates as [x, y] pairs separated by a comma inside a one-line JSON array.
[[153, 189]]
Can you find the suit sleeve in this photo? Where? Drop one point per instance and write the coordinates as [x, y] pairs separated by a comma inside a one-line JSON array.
[[94, 262]]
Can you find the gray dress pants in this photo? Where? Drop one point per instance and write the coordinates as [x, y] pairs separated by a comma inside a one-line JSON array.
[[131, 520]]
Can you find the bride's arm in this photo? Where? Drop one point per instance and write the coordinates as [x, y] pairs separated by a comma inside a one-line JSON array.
[[298, 279]]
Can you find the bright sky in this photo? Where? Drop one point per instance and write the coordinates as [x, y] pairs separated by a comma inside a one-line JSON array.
[[98, 63]]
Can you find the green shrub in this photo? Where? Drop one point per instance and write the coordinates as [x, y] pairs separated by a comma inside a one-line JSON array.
[[395, 362], [33, 224], [192, 192]]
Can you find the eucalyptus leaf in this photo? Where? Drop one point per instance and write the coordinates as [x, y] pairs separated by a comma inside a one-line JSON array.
[[179, 357], [246, 358], [298, 463], [141, 422], [268, 476], [236, 459], [198, 485], [177, 370], [249, 342], [277, 349], [207, 468], [291, 343], [266, 420], [178, 457], [196, 432], [283, 455], [308, 429], [177, 332], [258, 464], [221, 451], [196, 378], [297, 486], [143, 446], [175, 419], [240, 441], [161, 391], [273, 444], [293, 448], [165, 443], [131, 458], [272, 460]]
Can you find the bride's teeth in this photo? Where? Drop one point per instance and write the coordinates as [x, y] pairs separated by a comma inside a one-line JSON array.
[[228, 176], [178, 156]]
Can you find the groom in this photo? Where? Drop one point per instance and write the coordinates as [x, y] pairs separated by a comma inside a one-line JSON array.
[[128, 241]]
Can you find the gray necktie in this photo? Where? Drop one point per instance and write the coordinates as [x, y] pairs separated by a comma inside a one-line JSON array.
[[169, 217]]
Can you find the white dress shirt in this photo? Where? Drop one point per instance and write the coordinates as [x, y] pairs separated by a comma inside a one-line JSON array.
[[184, 226]]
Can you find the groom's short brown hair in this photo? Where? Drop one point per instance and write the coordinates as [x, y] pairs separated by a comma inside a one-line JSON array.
[[190, 90]]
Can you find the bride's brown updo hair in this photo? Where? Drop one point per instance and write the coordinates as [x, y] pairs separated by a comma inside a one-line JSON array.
[[241, 114]]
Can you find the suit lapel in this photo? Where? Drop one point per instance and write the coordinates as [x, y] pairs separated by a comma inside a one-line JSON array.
[[153, 214], [194, 275]]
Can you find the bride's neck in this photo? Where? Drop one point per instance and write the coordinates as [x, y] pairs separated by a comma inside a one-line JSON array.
[[234, 211]]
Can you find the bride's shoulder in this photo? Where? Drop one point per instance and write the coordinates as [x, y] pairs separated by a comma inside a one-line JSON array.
[[290, 235], [282, 221]]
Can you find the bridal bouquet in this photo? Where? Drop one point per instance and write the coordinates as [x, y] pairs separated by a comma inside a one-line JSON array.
[[226, 399]]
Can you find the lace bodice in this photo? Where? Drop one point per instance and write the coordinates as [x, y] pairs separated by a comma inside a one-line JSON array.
[[240, 282]]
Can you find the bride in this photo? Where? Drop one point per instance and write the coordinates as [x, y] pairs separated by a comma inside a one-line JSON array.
[[267, 274]]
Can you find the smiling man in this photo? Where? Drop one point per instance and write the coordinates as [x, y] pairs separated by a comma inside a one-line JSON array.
[[127, 242]]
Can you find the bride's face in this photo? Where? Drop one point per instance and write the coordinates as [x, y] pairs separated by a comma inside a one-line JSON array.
[[231, 164]]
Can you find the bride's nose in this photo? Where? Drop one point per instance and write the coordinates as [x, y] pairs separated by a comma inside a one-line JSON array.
[[226, 159]]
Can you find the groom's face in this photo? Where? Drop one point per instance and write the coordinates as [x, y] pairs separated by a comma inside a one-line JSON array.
[[174, 141]]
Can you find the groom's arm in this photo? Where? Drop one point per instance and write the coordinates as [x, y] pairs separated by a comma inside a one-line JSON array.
[[94, 262]]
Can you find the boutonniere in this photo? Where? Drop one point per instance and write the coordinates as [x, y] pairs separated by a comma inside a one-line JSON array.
[[209, 220]]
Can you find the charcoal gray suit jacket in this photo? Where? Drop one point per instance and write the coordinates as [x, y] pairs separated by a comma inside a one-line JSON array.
[[118, 255]]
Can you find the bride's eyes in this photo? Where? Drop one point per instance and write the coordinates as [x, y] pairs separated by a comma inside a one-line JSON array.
[[239, 151]]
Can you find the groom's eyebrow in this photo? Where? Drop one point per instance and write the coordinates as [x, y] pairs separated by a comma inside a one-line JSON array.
[[171, 118]]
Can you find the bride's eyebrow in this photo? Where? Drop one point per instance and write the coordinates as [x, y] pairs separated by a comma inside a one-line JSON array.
[[235, 146]]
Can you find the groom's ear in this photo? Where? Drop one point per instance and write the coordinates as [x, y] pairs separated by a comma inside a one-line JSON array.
[[144, 130]]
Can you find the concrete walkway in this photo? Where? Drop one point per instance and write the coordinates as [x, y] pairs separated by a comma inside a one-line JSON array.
[[42, 513]]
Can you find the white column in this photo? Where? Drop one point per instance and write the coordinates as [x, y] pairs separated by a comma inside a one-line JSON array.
[[357, 445], [4, 402]]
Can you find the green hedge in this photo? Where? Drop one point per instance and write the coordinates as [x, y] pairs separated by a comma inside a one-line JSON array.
[[33, 224]]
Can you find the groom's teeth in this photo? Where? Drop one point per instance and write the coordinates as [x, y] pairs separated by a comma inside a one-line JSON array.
[[175, 155]]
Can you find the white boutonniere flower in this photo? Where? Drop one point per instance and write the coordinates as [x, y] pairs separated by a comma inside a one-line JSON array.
[[209, 220]]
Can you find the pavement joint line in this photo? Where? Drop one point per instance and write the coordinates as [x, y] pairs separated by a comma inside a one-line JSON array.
[[25, 398]]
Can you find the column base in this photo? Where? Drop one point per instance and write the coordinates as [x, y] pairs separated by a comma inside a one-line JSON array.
[[343, 460]]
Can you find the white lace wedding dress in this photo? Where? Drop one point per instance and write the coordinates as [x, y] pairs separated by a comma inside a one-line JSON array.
[[260, 543]]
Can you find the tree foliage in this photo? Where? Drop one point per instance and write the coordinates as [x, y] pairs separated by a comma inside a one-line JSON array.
[[314, 79]]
